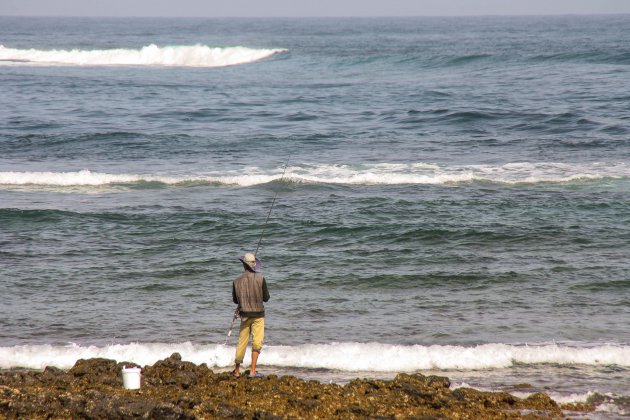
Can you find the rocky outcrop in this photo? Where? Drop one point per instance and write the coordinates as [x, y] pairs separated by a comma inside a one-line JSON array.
[[173, 389]]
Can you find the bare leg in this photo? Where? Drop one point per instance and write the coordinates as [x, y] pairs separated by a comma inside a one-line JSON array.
[[252, 370], [236, 369]]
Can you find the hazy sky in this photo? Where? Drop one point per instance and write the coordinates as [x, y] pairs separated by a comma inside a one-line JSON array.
[[265, 8]]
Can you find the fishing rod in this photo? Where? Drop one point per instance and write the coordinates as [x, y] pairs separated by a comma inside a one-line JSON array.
[[237, 311], [229, 331]]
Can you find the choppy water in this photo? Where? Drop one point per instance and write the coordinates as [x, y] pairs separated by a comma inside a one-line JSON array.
[[456, 195]]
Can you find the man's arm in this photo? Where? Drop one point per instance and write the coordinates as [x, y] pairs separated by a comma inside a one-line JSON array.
[[265, 291], [234, 297]]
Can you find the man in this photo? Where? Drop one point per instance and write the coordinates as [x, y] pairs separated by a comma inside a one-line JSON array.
[[249, 291]]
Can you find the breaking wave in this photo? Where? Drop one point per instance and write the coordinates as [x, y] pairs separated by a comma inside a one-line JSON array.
[[372, 174], [336, 356], [150, 55]]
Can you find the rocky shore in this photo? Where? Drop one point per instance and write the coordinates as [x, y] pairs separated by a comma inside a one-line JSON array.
[[173, 389]]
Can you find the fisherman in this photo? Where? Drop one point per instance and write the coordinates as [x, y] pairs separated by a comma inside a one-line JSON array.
[[249, 291]]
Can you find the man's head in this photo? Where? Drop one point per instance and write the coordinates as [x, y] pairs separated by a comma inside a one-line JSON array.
[[250, 262]]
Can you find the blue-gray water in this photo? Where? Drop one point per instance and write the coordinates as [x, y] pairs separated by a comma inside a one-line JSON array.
[[456, 194]]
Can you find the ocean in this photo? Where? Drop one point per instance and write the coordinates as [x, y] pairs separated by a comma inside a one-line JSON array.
[[450, 196]]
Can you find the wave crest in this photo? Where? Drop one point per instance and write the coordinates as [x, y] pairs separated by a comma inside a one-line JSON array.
[[150, 55], [336, 356], [367, 174]]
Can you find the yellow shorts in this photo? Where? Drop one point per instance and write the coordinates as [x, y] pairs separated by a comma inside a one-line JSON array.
[[254, 327]]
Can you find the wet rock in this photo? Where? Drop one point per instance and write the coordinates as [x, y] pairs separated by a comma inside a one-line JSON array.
[[540, 403], [172, 371], [94, 367], [225, 410], [174, 389], [263, 415], [169, 412]]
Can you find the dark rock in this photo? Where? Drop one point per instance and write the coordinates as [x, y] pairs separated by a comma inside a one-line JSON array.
[[264, 415], [174, 389], [437, 382], [53, 370], [229, 411], [94, 367], [168, 412], [172, 371]]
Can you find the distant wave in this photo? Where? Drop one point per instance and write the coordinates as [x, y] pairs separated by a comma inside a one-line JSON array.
[[336, 356], [620, 57], [365, 174], [78, 178], [150, 55]]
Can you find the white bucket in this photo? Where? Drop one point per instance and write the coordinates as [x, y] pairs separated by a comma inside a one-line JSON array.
[[131, 377]]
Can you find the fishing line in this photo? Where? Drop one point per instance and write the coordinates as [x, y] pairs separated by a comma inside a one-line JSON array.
[[236, 312], [271, 207]]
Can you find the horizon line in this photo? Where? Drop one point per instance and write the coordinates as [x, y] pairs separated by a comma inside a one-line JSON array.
[[316, 16]]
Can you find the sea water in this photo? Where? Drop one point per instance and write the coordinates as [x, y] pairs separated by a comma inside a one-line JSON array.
[[452, 195]]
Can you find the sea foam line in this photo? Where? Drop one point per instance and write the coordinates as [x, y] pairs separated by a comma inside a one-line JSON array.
[[150, 55], [372, 174], [78, 178], [335, 356], [88, 178]]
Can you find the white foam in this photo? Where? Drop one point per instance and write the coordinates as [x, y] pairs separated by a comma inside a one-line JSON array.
[[373, 357], [89, 178], [83, 177], [566, 398], [609, 407], [150, 55], [64, 357], [372, 174]]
